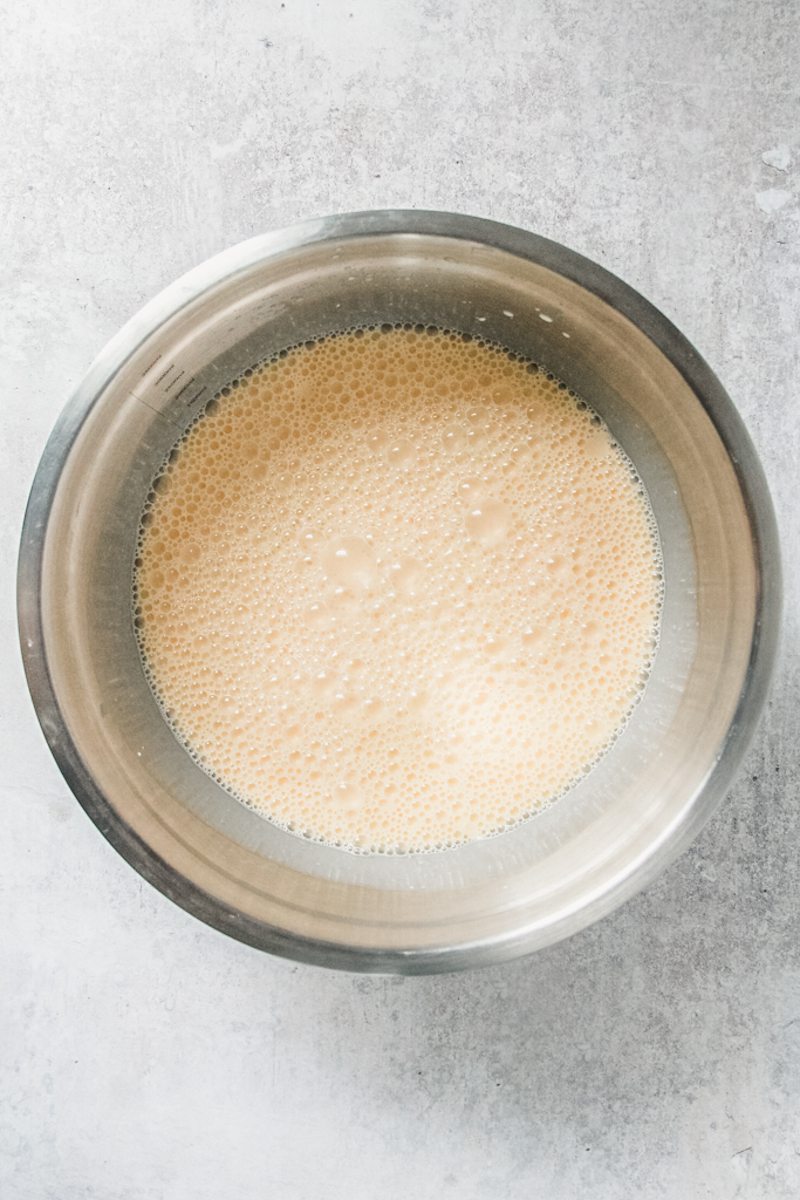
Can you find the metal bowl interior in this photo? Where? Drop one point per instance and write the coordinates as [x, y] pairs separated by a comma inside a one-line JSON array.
[[490, 900]]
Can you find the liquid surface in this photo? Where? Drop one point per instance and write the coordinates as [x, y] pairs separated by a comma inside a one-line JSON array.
[[397, 590]]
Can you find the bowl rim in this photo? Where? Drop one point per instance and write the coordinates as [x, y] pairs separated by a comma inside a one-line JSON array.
[[572, 266]]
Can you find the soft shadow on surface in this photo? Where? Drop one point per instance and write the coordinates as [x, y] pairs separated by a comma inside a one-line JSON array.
[[655, 1055], [628, 1058]]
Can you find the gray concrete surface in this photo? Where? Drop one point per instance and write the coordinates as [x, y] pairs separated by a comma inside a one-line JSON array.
[[656, 1055]]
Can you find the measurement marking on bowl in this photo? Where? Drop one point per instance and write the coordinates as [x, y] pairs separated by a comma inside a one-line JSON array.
[[196, 396], [185, 387], [164, 374], [177, 379]]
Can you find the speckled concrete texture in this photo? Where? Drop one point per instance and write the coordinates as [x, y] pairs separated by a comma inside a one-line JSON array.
[[144, 1056]]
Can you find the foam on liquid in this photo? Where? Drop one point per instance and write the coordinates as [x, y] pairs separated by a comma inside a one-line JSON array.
[[397, 589]]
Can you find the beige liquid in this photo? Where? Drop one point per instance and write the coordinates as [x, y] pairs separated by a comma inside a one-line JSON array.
[[397, 590]]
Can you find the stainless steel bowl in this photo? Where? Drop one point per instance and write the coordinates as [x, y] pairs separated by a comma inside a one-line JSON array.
[[483, 902]]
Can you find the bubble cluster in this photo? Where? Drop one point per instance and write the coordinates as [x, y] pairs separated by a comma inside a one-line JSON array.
[[397, 589]]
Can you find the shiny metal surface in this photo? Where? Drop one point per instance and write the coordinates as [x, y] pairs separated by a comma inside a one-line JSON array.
[[481, 903]]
